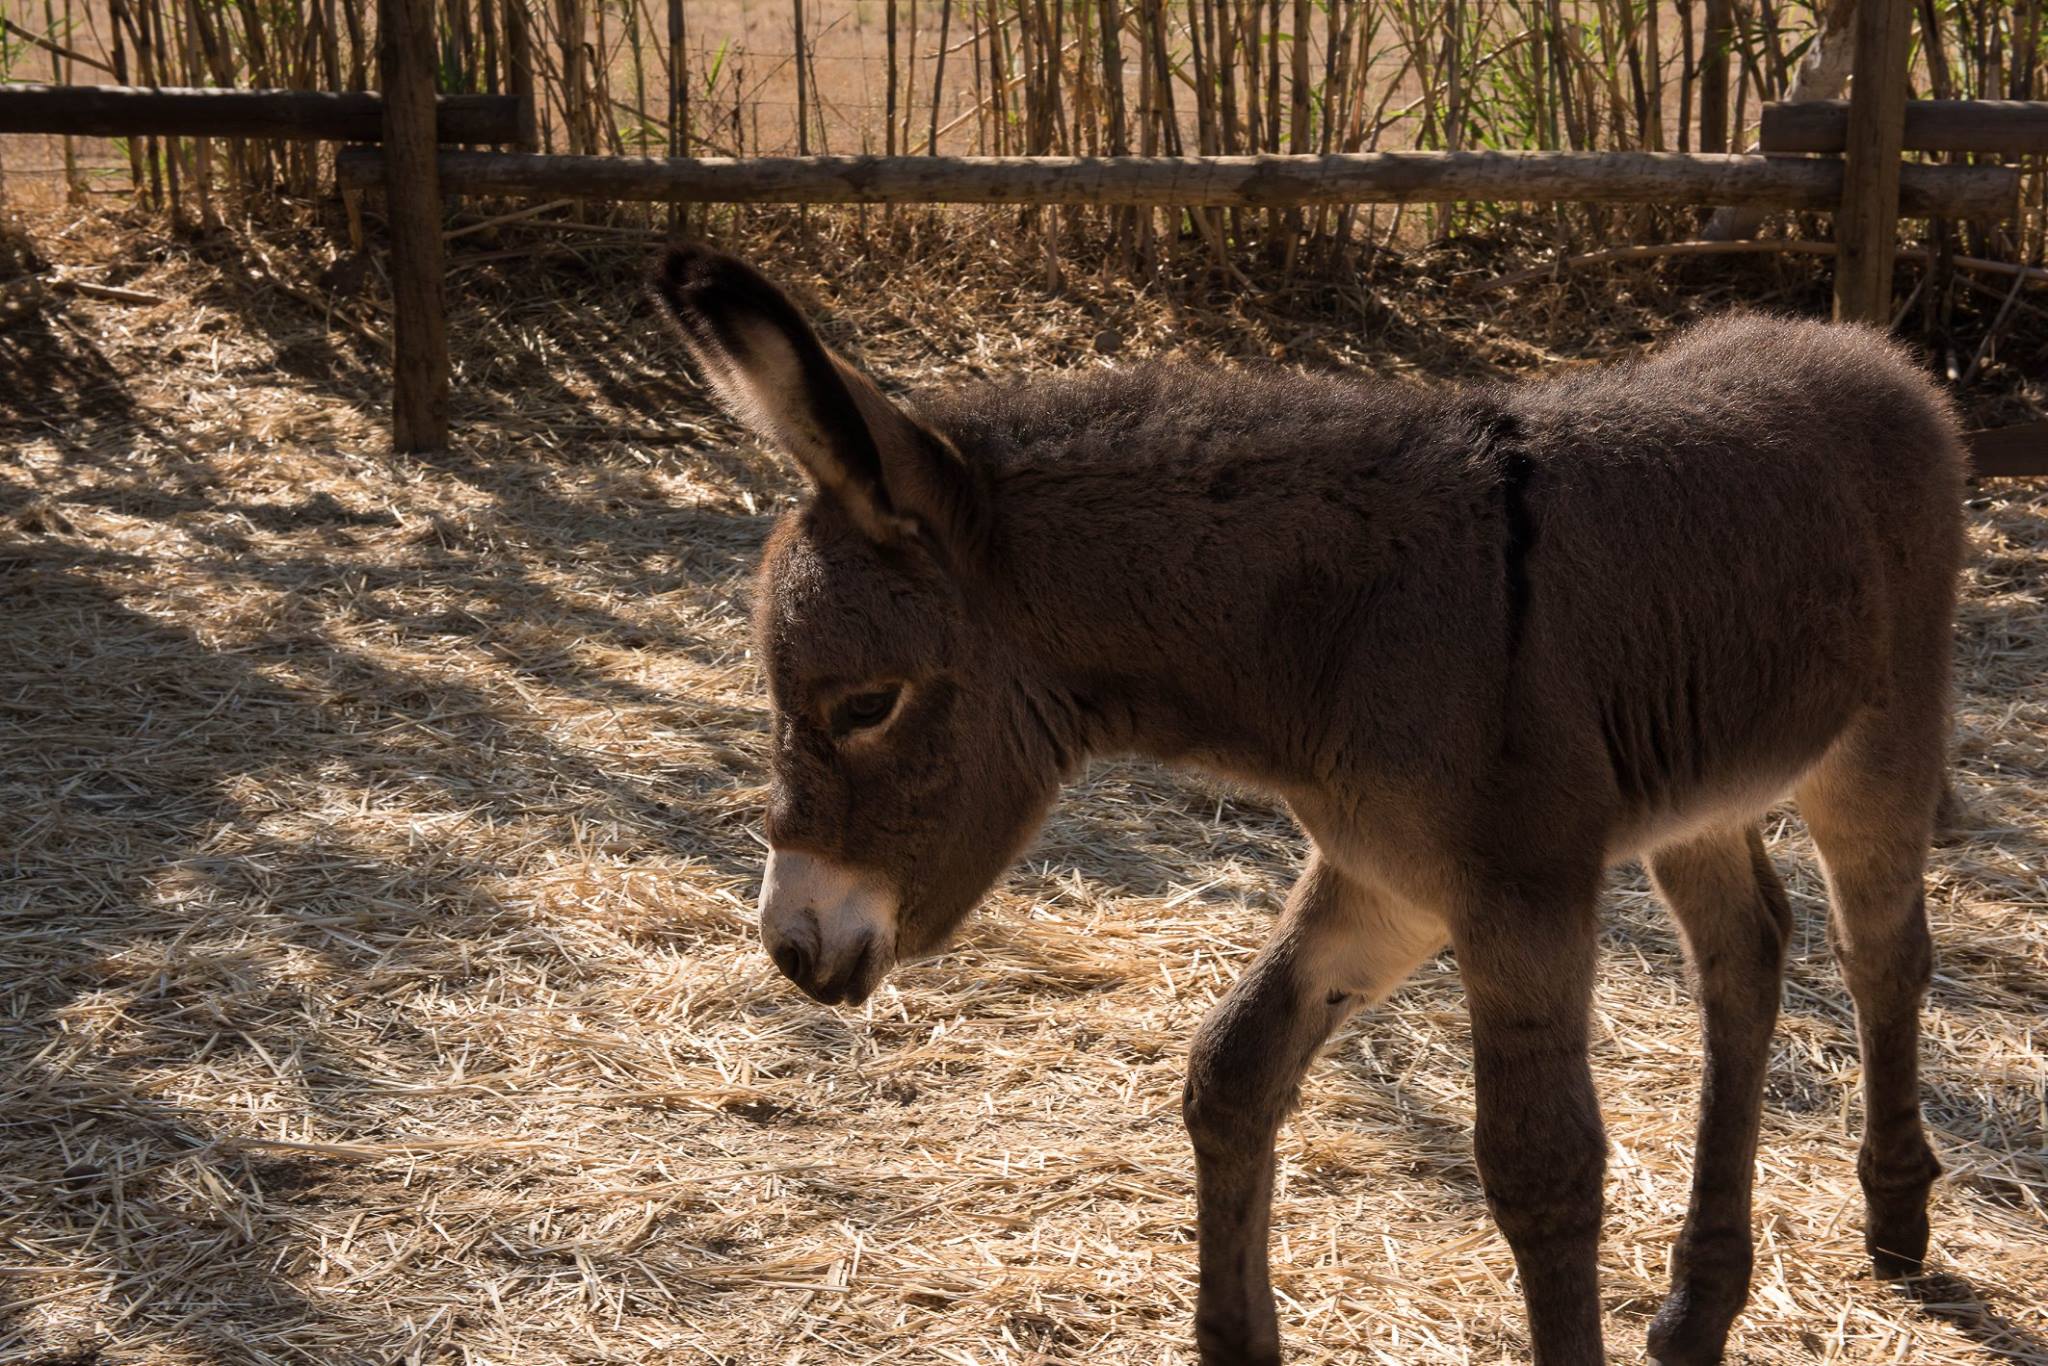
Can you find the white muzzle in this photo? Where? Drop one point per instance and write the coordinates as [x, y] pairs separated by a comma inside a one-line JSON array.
[[830, 928]]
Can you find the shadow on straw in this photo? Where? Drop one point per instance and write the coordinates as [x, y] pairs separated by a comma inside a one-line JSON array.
[[1955, 1301]]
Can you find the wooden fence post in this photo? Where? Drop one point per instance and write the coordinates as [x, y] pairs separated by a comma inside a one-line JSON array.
[[412, 190], [1866, 228]]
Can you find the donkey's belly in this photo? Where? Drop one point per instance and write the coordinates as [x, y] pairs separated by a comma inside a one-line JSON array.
[[1707, 725], [1720, 807], [1701, 757]]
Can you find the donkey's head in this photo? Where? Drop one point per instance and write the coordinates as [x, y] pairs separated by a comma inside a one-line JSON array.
[[907, 769]]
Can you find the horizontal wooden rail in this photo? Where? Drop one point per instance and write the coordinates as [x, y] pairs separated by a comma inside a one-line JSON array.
[[1189, 182], [2009, 452], [128, 111], [2015, 127]]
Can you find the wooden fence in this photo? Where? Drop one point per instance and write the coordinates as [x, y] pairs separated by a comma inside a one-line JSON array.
[[1866, 184], [122, 111], [1210, 182], [2014, 127]]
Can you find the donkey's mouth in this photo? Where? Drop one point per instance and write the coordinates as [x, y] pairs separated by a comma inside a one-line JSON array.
[[860, 979], [830, 928]]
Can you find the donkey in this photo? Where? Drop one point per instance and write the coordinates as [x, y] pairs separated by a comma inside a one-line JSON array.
[[1484, 642]]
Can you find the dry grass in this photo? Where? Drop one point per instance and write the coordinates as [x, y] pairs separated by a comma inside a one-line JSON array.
[[376, 934]]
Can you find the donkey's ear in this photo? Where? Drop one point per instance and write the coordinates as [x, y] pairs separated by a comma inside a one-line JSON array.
[[893, 474]]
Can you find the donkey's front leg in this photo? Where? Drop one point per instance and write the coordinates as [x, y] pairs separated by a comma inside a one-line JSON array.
[[1528, 961], [1338, 947]]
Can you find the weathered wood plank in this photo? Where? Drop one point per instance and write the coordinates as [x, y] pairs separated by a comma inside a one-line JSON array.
[[2015, 127], [1241, 182], [308, 115], [2009, 452]]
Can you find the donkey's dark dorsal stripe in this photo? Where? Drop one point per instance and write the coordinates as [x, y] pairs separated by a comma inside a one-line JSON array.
[[1483, 642]]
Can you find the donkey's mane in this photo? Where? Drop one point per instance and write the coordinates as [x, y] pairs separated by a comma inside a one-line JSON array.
[[1716, 384], [1158, 410]]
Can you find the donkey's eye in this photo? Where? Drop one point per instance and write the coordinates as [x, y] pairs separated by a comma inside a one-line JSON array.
[[865, 709]]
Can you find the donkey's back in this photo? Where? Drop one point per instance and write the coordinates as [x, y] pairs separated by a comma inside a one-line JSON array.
[[1652, 594], [1755, 423]]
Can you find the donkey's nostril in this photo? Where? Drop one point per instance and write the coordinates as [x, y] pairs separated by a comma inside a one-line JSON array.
[[793, 960]]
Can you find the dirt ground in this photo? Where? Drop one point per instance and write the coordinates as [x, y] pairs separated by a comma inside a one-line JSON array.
[[378, 980]]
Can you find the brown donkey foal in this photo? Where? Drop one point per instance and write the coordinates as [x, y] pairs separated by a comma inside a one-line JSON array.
[[1484, 642]]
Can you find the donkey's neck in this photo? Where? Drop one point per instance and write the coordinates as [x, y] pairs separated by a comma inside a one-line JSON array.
[[1196, 574]]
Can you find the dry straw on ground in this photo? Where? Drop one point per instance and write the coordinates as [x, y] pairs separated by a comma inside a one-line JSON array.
[[379, 843]]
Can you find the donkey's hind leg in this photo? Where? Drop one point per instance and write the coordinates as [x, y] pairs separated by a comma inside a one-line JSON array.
[[1527, 950], [1732, 910], [1870, 805]]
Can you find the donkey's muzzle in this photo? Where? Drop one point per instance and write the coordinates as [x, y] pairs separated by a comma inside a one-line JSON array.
[[831, 929]]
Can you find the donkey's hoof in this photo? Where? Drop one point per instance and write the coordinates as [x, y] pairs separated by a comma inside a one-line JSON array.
[[1688, 1331], [1217, 1355], [1231, 1344], [1897, 1245]]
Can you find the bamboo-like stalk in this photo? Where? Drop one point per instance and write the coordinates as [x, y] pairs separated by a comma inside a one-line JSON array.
[[153, 16], [487, 25], [1935, 52], [519, 69], [2026, 50], [1653, 102], [202, 147], [330, 47], [1454, 67], [359, 46], [635, 47], [803, 87], [604, 107], [1162, 81], [1056, 65], [1031, 79], [569, 26], [461, 40], [1687, 74], [974, 66], [74, 190], [119, 25], [889, 107], [938, 73], [145, 67], [1715, 39], [1226, 49], [908, 104]]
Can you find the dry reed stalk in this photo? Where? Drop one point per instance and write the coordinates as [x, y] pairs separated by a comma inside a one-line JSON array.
[[63, 69]]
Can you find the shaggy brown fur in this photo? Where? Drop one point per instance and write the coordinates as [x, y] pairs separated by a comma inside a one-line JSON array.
[[1484, 642]]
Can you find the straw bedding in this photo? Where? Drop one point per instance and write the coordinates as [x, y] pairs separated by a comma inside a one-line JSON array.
[[377, 975]]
